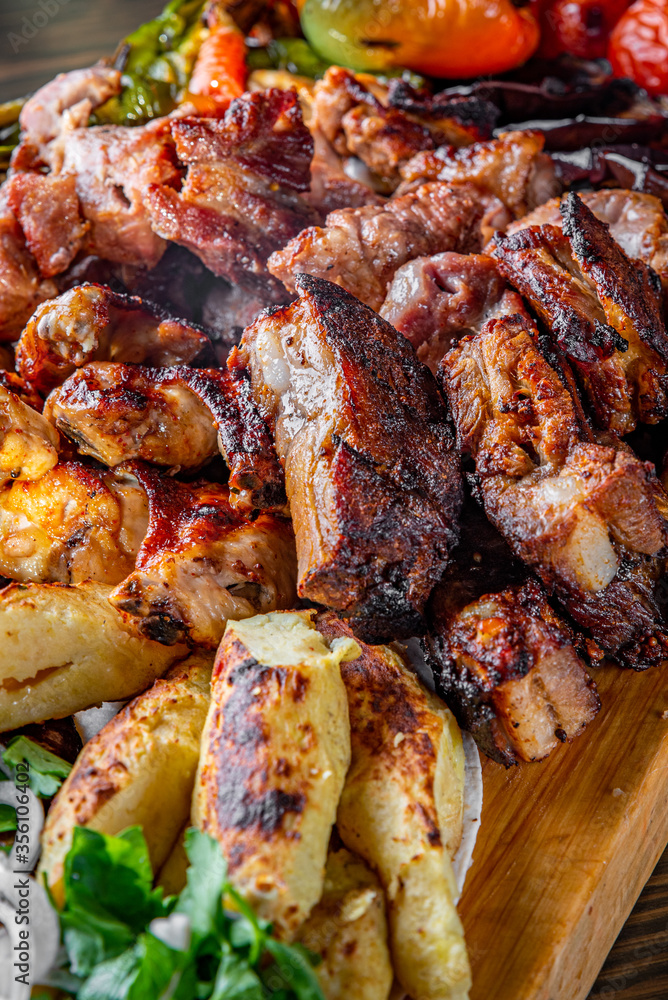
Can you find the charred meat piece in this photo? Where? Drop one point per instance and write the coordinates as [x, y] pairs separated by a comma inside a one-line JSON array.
[[202, 562], [573, 279], [359, 121], [76, 523], [362, 248], [93, 323], [630, 293], [504, 662], [46, 207], [370, 473], [434, 301], [513, 168], [335, 182], [241, 198], [115, 412], [115, 167], [174, 417], [637, 222], [588, 518], [21, 286], [28, 442], [63, 104]]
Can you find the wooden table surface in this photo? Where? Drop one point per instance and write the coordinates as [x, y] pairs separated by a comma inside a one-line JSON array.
[[39, 38]]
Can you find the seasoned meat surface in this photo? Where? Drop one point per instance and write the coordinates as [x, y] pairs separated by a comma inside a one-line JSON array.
[[434, 301], [362, 248], [22, 287], [637, 222], [46, 207], [202, 562], [371, 478], [28, 443], [512, 168], [588, 518], [93, 323], [75, 523], [241, 198], [603, 311], [176, 416]]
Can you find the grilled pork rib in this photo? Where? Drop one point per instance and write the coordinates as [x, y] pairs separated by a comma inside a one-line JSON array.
[[602, 309], [504, 662], [370, 473], [590, 519]]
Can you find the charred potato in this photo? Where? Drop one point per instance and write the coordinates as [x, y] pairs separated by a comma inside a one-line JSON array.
[[348, 930], [275, 751], [139, 767], [401, 810], [63, 649]]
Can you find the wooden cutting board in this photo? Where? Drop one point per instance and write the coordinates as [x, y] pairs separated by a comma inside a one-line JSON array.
[[566, 846]]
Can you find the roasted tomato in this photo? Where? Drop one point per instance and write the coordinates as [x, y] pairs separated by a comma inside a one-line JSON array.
[[579, 27], [639, 45], [446, 38]]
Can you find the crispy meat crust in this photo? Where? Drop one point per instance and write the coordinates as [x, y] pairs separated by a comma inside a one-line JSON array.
[[202, 562], [589, 518], [94, 323], [47, 209], [362, 248], [513, 168], [603, 311], [367, 450], [241, 198]]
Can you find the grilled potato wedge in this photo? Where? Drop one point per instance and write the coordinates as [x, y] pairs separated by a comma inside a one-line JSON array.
[[401, 810], [63, 649], [275, 751], [139, 769], [348, 929], [174, 873]]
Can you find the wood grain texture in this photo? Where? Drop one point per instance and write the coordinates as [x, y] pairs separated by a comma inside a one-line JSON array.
[[565, 848], [82, 31]]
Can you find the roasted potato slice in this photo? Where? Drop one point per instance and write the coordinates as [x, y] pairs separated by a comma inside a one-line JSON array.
[[401, 810], [139, 769], [63, 649], [348, 929], [275, 751]]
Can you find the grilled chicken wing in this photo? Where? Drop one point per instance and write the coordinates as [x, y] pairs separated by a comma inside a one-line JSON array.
[[141, 765], [241, 198], [348, 930], [28, 443], [434, 301], [275, 751], [64, 649], [93, 323], [373, 485], [116, 412], [202, 563], [174, 417], [588, 518], [75, 523], [401, 810], [362, 248], [512, 168], [504, 662]]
